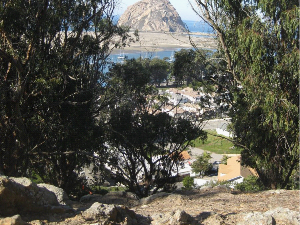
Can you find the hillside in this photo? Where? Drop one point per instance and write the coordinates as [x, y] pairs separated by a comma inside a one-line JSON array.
[[23, 202]]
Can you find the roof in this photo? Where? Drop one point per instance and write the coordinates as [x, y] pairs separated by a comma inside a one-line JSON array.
[[185, 155], [234, 169]]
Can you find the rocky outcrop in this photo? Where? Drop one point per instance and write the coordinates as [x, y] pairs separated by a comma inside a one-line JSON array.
[[110, 213], [23, 202], [61, 195], [152, 15], [178, 217], [278, 216], [20, 195]]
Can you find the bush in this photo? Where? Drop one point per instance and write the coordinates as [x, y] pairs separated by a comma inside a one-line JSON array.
[[202, 164], [188, 182], [250, 184]]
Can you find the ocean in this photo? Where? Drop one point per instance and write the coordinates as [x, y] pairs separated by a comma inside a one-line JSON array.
[[193, 26], [198, 26]]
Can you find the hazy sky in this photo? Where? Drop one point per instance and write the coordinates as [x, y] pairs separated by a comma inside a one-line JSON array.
[[182, 6]]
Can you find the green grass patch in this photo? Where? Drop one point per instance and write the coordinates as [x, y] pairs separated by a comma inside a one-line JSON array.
[[104, 190], [215, 144]]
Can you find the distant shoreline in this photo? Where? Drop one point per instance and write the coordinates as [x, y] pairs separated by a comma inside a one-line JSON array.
[[163, 41]]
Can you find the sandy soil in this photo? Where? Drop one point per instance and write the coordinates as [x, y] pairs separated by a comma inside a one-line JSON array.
[[158, 41]]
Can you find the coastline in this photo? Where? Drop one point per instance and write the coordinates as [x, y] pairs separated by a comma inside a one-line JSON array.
[[163, 41]]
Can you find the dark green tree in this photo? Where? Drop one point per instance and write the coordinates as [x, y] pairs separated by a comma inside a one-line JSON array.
[[51, 57], [159, 70], [202, 164], [190, 65], [144, 144], [260, 44]]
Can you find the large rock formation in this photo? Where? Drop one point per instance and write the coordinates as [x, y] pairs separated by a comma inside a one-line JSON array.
[[21, 196], [152, 15]]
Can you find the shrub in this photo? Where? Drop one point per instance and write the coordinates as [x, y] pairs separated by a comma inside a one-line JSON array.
[[250, 184], [202, 164], [188, 182]]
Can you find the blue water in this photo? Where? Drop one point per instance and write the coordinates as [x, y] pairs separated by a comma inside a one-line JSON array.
[[193, 26], [198, 26], [116, 58]]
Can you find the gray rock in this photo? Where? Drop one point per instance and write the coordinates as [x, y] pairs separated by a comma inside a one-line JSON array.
[[21, 195], [255, 218], [284, 216], [60, 194], [152, 15], [178, 217], [109, 213], [181, 218], [277, 216]]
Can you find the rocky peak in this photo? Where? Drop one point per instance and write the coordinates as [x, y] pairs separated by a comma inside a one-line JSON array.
[[152, 15]]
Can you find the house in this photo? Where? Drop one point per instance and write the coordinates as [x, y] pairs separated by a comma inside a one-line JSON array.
[[234, 171]]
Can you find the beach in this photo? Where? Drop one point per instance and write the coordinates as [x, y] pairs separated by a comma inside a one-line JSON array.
[[164, 41]]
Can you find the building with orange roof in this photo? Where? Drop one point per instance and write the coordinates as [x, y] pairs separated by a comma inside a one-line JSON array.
[[234, 171]]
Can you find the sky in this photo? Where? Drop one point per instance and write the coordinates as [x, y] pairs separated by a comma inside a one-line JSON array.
[[182, 6]]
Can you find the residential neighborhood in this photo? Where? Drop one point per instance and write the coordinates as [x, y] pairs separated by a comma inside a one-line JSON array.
[[187, 103]]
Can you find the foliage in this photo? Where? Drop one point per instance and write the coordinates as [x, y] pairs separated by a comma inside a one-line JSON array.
[[188, 182], [259, 42], [203, 70], [224, 159], [188, 64], [250, 184], [159, 70], [104, 190], [202, 164], [50, 76], [216, 183], [144, 144]]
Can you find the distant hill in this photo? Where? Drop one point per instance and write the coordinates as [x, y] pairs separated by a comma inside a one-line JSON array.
[[152, 15]]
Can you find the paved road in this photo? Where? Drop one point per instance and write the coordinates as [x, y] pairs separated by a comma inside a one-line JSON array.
[[197, 151], [217, 123]]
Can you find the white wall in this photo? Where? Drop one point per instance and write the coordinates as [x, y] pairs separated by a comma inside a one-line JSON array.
[[223, 132]]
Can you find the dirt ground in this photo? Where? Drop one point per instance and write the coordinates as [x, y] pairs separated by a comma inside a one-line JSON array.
[[202, 204]]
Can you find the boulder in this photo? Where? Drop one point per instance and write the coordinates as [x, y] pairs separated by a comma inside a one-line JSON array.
[[21, 195], [284, 216], [178, 217], [278, 216], [254, 218], [60, 194], [110, 213]]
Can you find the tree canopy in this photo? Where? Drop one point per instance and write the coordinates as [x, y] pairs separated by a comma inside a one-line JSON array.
[[144, 143], [260, 44], [51, 57]]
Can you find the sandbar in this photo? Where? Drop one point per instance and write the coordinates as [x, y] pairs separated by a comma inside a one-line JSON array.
[[163, 41]]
